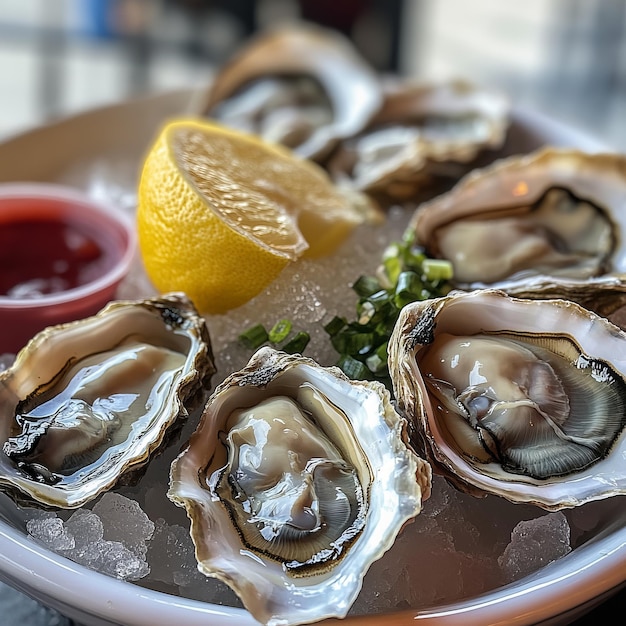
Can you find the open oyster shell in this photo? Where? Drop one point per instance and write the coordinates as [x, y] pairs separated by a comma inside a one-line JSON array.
[[302, 86], [534, 222], [87, 401], [525, 399], [424, 136], [295, 481]]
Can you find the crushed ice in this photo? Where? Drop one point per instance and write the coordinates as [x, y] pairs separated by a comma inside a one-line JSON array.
[[443, 556], [111, 539]]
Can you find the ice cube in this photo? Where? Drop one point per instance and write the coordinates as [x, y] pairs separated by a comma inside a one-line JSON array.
[[50, 532], [124, 521], [534, 544]]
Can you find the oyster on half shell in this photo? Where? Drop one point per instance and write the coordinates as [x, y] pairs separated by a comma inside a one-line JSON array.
[[423, 137], [525, 399], [552, 217], [87, 401], [305, 87], [295, 481]]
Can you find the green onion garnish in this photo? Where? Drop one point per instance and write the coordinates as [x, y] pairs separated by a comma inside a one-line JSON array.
[[280, 331], [353, 342], [353, 368], [405, 276], [374, 308], [408, 289], [254, 337], [437, 269], [366, 286], [335, 325], [298, 343]]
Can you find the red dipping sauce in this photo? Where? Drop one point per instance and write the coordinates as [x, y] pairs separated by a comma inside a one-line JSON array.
[[45, 256], [62, 255]]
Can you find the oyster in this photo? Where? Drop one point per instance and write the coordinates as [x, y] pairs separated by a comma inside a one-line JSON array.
[[295, 481], [521, 398], [305, 87], [424, 135], [87, 401], [554, 216]]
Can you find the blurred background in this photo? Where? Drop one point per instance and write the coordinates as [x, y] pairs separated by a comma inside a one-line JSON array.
[[566, 58]]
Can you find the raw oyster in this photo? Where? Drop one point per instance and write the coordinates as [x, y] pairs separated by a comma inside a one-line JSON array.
[[305, 87], [424, 135], [87, 401], [521, 398], [554, 216], [295, 481]]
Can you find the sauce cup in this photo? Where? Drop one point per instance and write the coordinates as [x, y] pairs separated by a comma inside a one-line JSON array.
[[62, 256]]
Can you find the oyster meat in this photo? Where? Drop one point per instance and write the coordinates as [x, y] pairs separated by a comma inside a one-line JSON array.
[[87, 401], [295, 481], [525, 399], [304, 87], [552, 217]]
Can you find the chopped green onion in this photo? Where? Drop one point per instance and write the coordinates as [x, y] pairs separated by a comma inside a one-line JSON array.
[[392, 267], [437, 269], [377, 361], [379, 299], [366, 311], [340, 342], [373, 309], [406, 275], [408, 289], [254, 337], [352, 368], [381, 351], [414, 258], [335, 325], [366, 285], [383, 329], [392, 251], [360, 343], [351, 342], [374, 363], [280, 331], [298, 343]]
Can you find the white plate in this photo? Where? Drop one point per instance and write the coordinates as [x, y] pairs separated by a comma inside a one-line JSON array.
[[101, 151]]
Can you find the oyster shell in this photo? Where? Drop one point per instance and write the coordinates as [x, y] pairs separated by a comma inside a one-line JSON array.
[[552, 217], [305, 87], [295, 481], [87, 401], [605, 295], [424, 135], [525, 399]]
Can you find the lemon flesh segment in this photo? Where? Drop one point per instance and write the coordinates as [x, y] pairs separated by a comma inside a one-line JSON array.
[[231, 178], [324, 215]]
